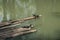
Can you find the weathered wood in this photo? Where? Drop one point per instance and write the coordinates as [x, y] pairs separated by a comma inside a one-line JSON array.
[[14, 22], [15, 32]]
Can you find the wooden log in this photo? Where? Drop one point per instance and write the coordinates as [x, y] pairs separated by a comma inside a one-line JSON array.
[[16, 32], [3, 24], [22, 33]]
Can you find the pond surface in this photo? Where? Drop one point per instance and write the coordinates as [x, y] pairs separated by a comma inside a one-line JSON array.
[[48, 26]]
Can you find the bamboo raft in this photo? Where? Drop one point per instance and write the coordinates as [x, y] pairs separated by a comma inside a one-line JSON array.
[[8, 29]]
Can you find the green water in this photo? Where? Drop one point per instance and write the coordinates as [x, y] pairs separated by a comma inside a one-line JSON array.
[[48, 26]]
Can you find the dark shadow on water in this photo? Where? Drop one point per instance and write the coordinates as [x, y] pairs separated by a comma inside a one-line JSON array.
[[15, 38], [57, 34]]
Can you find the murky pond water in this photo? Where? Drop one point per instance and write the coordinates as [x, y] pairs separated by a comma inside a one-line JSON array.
[[48, 26]]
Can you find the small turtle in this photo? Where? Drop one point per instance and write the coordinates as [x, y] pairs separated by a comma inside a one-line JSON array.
[[28, 26]]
